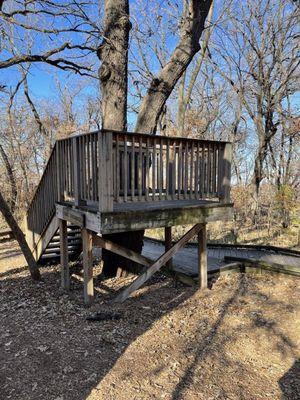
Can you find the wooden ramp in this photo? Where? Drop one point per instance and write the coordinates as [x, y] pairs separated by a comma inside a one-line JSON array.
[[185, 261]]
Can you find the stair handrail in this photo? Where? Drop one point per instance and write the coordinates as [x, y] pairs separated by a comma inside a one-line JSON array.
[[47, 181]]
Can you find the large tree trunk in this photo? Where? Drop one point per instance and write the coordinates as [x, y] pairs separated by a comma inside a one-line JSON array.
[[113, 53], [113, 75], [19, 236]]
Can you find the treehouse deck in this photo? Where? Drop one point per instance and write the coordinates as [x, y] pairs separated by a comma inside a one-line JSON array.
[[110, 182]]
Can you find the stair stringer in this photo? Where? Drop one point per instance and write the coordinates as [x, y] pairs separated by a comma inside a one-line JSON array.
[[45, 238]]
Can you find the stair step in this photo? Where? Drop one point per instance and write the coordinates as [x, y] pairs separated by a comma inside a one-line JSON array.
[[57, 249], [56, 256], [70, 243], [57, 239], [71, 233]]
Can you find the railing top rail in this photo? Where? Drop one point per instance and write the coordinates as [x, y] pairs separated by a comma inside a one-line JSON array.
[[145, 135]]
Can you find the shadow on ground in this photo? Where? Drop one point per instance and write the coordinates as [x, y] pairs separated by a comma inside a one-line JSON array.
[[50, 351]]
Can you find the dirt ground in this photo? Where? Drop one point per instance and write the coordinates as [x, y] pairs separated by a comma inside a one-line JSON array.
[[238, 340]]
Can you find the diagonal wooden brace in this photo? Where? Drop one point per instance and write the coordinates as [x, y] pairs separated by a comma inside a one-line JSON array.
[[122, 251], [140, 280]]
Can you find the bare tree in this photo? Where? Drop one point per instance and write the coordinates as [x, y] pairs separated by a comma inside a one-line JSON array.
[[19, 236], [257, 55]]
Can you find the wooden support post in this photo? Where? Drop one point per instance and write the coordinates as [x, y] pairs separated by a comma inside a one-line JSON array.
[[88, 283], [168, 245], [202, 257], [64, 259], [106, 171], [225, 174]]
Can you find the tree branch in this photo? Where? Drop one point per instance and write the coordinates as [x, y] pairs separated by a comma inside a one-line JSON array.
[[59, 62], [162, 85]]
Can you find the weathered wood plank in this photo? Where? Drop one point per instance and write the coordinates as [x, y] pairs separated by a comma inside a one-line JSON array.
[[168, 169], [121, 251], [168, 244], [68, 214], [105, 172], [179, 170], [64, 258], [154, 170], [160, 171], [226, 173], [147, 169], [161, 217], [140, 168], [87, 259], [202, 257], [132, 168]]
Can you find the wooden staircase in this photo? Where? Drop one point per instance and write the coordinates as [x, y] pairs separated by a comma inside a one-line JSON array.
[[52, 250], [42, 228]]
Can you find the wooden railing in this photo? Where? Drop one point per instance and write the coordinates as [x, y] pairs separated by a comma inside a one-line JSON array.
[[106, 167], [157, 168], [42, 207]]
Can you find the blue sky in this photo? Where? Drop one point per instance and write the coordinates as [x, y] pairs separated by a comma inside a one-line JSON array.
[[42, 77]]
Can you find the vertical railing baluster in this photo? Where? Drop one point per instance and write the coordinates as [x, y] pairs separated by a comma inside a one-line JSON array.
[[147, 169], [161, 176], [197, 166], [125, 158], [174, 170], [132, 167], [192, 194], [140, 168], [214, 174], [167, 169], [203, 170], [153, 169], [117, 193], [89, 166], [94, 173], [180, 174], [186, 169], [84, 165], [76, 169]]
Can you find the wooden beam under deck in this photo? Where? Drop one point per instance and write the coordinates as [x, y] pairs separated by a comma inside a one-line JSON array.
[[137, 216], [163, 217], [121, 251]]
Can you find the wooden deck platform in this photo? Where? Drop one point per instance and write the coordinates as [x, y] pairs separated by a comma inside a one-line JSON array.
[[108, 182]]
